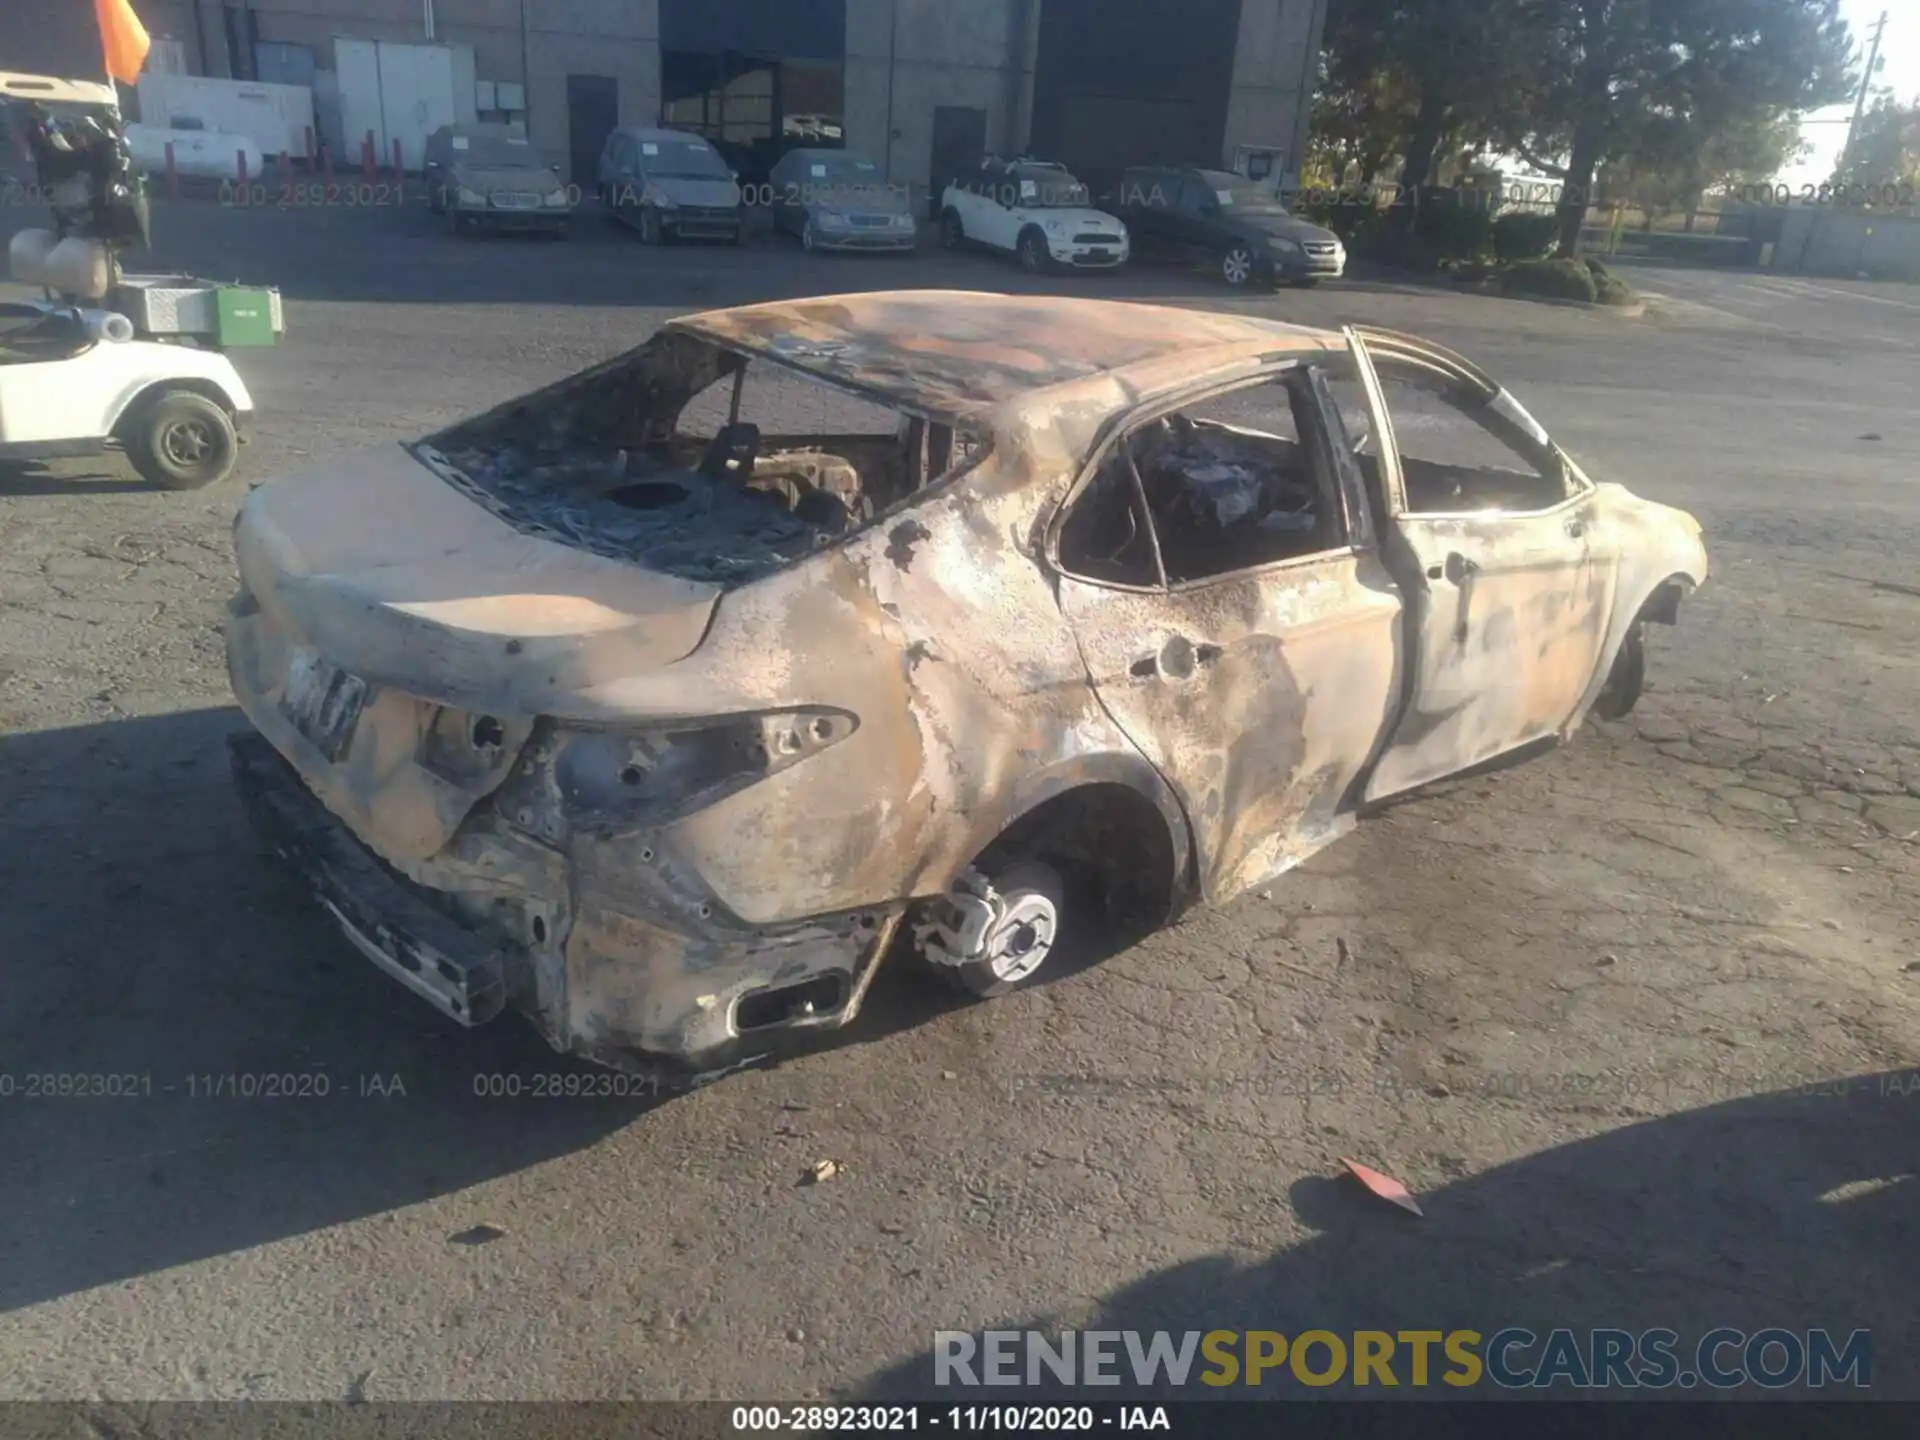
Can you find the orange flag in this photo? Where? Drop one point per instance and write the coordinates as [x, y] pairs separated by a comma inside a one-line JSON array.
[[123, 38]]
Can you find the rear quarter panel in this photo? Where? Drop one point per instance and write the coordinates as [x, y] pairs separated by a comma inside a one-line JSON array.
[[939, 628]]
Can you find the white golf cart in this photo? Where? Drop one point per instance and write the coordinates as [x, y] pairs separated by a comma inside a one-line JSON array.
[[106, 360]]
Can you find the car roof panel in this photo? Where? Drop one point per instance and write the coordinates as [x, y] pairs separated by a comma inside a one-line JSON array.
[[957, 353]]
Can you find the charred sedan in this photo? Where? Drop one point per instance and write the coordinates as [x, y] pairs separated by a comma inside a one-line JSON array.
[[612, 707]]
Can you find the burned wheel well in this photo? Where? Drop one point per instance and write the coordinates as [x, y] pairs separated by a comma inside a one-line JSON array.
[[1662, 607], [1112, 840]]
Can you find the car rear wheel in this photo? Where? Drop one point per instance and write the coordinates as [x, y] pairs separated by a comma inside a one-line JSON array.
[[1034, 256], [1236, 266], [953, 230], [182, 441], [1029, 900]]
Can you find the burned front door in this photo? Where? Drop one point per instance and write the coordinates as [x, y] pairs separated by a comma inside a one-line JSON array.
[[1236, 623]]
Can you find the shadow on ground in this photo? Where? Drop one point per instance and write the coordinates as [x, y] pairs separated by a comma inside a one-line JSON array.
[[150, 948], [1798, 1210], [95, 475]]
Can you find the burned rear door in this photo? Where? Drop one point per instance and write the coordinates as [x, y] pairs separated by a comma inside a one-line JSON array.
[[1489, 534], [1236, 620]]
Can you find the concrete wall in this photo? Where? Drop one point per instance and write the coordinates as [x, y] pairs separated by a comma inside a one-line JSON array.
[[981, 54], [50, 37], [974, 53], [1273, 75], [1817, 241], [944, 53], [619, 38]]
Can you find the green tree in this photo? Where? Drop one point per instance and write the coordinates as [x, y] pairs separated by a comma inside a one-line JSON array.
[[1886, 146], [1419, 78], [1620, 80], [1675, 164], [1364, 106]]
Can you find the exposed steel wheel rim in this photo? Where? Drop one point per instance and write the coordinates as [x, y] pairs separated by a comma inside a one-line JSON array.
[[1019, 944], [188, 444]]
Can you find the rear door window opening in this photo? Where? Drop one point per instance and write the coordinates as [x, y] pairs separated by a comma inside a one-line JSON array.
[[1234, 481]]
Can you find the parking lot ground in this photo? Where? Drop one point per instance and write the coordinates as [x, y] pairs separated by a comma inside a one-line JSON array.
[[1636, 1021]]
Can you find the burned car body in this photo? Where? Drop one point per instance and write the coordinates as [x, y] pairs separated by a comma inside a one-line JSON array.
[[664, 738]]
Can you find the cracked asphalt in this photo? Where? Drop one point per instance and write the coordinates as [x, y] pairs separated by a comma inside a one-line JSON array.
[[1635, 1020]]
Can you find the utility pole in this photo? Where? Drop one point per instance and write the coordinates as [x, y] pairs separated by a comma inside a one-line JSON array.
[[1866, 84]]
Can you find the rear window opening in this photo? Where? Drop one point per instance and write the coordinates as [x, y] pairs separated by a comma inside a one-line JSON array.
[[695, 461]]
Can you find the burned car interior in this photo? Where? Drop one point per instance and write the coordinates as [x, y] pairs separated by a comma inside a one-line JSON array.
[[1223, 485], [654, 459], [1246, 479]]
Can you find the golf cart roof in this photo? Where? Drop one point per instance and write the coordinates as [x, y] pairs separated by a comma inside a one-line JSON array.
[[49, 88]]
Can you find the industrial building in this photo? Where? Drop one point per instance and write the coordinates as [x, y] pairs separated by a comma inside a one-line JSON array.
[[922, 86]]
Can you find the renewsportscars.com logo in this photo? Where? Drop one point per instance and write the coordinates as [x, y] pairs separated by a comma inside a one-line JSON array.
[[1514, 1358]]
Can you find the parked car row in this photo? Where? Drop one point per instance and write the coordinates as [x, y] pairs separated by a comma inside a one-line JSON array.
[[674, 185]]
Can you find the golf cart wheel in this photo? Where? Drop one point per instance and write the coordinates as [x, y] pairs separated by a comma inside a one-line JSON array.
[[1034, 257], [953, 230], [182, 441], [1016, 949], [1236, 266]]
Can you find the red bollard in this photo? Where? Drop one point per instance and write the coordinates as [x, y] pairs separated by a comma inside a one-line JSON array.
[[366, 158], [173, 175], [311, 166]]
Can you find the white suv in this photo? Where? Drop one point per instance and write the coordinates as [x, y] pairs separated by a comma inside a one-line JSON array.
[[1033, 209]]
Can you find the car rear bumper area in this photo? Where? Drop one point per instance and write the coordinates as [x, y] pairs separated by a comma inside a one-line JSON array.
[[600, 970], [433, 955]]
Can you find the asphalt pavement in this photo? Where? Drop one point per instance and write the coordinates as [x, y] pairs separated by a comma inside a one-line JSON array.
[[1633, 1020]]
